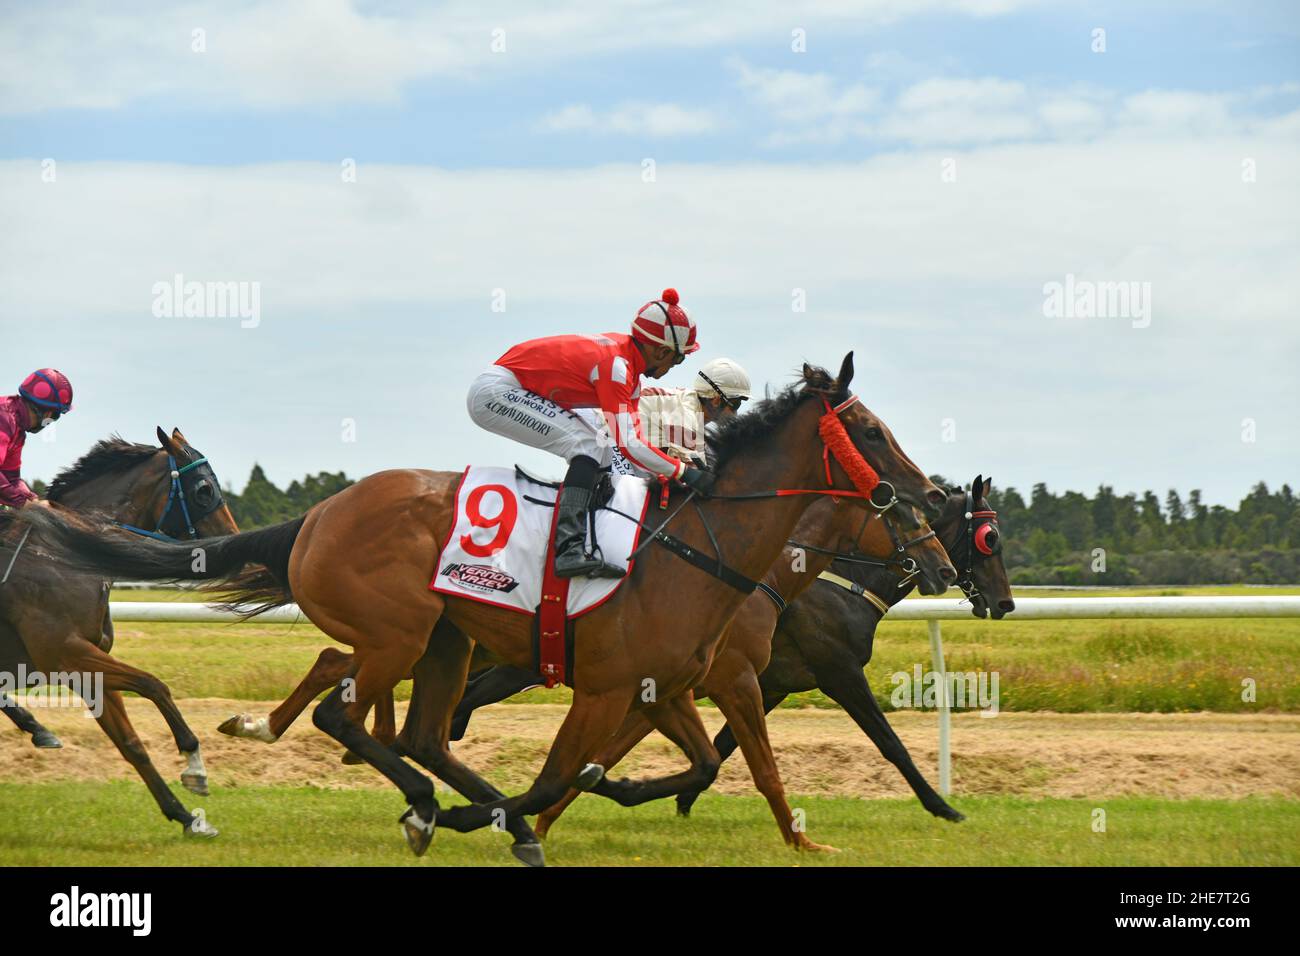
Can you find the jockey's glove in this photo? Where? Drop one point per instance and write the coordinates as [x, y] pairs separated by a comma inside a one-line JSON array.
[[699, 479]]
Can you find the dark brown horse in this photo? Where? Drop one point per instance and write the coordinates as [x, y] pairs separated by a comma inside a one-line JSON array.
[[53, 620], [359, 565], [756, 668], [825, 639]]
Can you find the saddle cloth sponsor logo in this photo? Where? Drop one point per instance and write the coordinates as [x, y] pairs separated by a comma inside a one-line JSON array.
[[496, 548], [480, 577]]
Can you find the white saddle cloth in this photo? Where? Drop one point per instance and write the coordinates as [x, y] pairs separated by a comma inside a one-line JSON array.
[[498, 542]]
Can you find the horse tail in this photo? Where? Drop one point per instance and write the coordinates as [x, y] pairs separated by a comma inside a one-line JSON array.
[[250, 567]]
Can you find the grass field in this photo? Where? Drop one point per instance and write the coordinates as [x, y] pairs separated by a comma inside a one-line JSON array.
[[116, 824], [1064, 666], [1177, 788]]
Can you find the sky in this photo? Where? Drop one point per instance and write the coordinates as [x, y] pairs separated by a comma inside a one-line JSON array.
[[402, 191]]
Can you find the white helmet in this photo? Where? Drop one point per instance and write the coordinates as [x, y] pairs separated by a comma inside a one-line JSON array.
[[725, 376]]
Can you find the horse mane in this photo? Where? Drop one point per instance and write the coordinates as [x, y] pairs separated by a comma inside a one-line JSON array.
[[111, 455], [744, 431]]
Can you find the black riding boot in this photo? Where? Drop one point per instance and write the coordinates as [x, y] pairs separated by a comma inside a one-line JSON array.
[[571, 557]]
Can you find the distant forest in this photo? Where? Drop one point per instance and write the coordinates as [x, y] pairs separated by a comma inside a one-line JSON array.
[[1049, 539]]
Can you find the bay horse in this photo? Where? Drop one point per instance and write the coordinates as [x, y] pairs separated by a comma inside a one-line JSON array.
[[825, 639], [832, 619], [54, 620], [880, 542], [359, 564]]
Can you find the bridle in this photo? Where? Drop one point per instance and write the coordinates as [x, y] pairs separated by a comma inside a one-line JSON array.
[[186, 483], [979, 534], [900, 559]]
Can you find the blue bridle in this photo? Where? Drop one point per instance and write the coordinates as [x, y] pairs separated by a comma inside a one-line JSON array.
[[176, 494]]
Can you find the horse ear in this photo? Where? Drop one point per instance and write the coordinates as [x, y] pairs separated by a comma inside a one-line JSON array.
[[988, 486], [168, 444], [807, 372], [846, 372], [977, 487], [178, 437]]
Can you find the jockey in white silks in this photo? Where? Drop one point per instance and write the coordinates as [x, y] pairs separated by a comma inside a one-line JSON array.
[[678, 421]]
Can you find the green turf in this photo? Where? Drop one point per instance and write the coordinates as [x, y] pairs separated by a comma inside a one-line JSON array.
[[1067, 666], [116, 823]]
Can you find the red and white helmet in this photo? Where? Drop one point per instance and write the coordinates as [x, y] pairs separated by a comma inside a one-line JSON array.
[[48, 388], [664, 322]]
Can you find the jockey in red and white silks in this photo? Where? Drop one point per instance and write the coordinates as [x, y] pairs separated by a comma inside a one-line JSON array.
[[531, 392]]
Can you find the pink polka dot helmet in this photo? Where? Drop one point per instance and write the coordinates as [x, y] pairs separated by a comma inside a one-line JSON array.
[[48, 388]]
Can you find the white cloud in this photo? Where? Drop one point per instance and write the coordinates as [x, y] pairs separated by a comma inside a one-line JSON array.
[[286, 53], [650, 119], [815, 108]]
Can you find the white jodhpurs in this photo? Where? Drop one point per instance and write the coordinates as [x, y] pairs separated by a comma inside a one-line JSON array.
[[498, 403]]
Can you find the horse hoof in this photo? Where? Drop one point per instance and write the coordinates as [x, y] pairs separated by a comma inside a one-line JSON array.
[[195, 783], [951, 815], [248, 726], [529, 854], [232, 726], [350, 759], [46, 740], [419, 834], [591, 775], [200, 827]]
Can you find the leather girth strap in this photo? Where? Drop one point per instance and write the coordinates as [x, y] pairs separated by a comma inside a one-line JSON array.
[[552, 630]]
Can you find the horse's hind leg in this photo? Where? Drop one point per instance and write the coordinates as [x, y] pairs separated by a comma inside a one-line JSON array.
[[80, 655], [634, 730], [342, 713], [591, 719], [117, 726], [331, 666], [439, 677], [677, 719], [22, 717]]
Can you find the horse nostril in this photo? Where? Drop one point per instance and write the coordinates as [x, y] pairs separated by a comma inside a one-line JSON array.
[[1007, 606], [948, 574]]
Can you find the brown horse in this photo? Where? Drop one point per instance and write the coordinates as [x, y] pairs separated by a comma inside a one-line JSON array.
[[882, 542], [54, 620], [739, 681], [359, 565]]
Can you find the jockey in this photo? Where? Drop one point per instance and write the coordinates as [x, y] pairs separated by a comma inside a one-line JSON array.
[[530, 393], [678, 421], [43, 396]]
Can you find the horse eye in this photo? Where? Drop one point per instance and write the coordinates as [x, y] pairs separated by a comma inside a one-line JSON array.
[[874, 434], [203, 492]]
